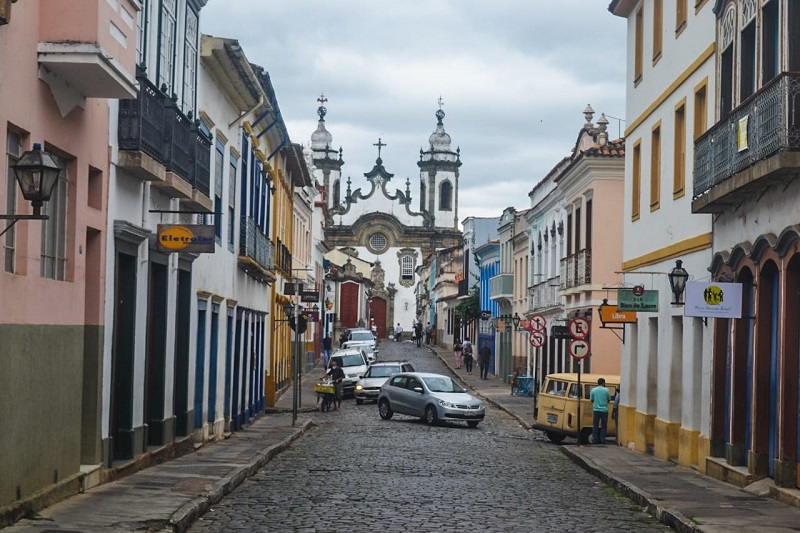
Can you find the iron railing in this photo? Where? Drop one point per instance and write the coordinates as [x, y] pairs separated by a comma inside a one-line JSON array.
[[576, 269], [177, 141], [200, 154], [772, 117], [141, 121], [255, 245], [545, 295]]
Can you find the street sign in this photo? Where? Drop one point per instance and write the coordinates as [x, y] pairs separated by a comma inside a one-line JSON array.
[[646, 302], [309, 296], [560, 332], [579, 348], [579, 327], [538, 323], [537, 338]]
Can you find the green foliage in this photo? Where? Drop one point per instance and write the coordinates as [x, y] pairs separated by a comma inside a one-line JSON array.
[[469, 309]]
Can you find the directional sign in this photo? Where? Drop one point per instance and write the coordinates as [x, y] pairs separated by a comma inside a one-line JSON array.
[[579, 327], [537, 338], [579, 348], [538, 323]]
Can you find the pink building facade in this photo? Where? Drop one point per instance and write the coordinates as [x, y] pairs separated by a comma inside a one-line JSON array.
[[60, 60]]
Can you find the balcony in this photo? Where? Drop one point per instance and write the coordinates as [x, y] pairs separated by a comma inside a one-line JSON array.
[[158, 143], [545, 295], [754, 147], [501, 287], [256, 251], [87, 49], [576, 269]]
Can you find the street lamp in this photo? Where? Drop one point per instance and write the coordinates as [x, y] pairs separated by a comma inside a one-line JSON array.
[[677, 281], [515, 320], [37, 173], [288, 310]]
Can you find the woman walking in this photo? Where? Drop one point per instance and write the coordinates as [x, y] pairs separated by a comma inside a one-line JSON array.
[[466, 350], [457, 353]]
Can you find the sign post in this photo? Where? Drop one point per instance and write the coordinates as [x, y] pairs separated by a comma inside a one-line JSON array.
[[579, 349]]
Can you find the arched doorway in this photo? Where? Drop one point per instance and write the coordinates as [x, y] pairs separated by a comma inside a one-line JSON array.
[[765, 369], [377, 312], [348, 306]]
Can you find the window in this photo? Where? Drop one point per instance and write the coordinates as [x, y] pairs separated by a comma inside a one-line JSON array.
[[190, 62], [446, 196], [726, 62], [655, 167], [422, 197], [679, 163], [588, 224], [636, 186], [54, 229], [658, 29], [747, 81], [407, 267], [378, 242], [234, 161], [680, 16], [141, 38], [578, 246], [638, 47], [569, 235], [336, 195], [700, 108], [770, 39], [219, 162], [166, 44], [793, 37], [13, 153]]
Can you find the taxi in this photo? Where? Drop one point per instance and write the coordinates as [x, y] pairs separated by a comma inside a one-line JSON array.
[[558, 406]]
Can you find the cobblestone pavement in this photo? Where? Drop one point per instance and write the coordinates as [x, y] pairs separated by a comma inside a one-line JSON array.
[[356, 472]]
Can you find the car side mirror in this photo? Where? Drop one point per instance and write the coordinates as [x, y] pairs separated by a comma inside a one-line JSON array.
[[418, 389], [361, 376]]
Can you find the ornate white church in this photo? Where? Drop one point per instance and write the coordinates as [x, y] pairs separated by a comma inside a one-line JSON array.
[[390, 228]]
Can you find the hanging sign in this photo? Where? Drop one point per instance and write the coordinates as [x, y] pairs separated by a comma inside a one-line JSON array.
[[646, 302], [610, 314], [713, 299], [193, 238], [560, 332]]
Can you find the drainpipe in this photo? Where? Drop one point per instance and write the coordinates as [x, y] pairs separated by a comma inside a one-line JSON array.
[[259, 104]]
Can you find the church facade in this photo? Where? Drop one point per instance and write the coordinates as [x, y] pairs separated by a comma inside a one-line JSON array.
[[383, 223]]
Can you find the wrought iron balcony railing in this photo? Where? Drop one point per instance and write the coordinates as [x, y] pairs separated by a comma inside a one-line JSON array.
[[255, 245], [141, 121], [545, 295], [766, 123], [576, 269]]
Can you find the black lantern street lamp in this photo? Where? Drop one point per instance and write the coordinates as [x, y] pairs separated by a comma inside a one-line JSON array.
[[515, 320], [288, 309], [37, 173], [677, 281]]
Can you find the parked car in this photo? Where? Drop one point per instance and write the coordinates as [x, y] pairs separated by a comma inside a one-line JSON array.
[[432, 397], [369, 387], [360, 334], [558, 406], [353, 361], [369, 349]]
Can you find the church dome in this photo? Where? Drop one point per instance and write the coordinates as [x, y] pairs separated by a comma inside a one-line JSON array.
[[321, 139], [440, 139]]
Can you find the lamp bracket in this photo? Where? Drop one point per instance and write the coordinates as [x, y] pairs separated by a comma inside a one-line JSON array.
[[24, 217]]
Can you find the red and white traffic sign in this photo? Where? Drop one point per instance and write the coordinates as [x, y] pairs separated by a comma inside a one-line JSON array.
[[537, 338], [538, 323], [579, 348], [579, 328]]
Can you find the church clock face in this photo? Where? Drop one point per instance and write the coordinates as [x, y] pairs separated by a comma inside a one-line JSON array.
[[377, 243]]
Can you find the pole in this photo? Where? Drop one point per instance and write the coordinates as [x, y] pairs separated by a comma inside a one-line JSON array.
[[580, 397], [295, 365]]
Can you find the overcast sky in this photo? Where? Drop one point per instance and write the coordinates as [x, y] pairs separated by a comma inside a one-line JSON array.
[[514, 76]]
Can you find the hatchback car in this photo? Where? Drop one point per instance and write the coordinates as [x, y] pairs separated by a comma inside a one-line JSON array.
[[432, 397], [353, 361], [370, 385]]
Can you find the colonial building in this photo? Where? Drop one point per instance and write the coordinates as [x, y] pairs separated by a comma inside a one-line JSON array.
[[385, 226]]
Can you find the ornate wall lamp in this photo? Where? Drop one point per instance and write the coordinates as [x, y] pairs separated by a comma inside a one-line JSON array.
[[37, 173], [677, 282]]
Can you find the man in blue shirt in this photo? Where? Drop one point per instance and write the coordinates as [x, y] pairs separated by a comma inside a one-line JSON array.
[[600, 397]]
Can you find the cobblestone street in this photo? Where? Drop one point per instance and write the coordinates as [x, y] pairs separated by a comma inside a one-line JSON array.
[[356, 472]]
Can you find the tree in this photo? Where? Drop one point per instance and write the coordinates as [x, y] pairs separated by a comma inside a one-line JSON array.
[[469, 309]]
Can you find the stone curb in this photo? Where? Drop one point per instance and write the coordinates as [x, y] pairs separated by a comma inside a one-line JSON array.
[[675, 519], [192, 510]]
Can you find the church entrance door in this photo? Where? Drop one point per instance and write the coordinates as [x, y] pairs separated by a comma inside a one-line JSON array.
[[348, 307], [377, 311]]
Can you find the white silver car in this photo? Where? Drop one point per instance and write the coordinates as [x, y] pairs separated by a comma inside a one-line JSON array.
[[368, 387], [432, 397], [353, 361]]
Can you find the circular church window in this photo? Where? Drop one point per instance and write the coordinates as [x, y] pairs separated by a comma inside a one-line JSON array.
[[378, 242]]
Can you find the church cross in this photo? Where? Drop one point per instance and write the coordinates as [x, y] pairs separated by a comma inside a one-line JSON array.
[[380, 145], [322, 99], [441, 102]]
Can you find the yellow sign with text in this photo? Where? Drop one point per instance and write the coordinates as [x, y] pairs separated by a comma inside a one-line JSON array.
[[609, 314]]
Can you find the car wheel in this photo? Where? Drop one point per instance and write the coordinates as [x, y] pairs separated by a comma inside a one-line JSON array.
[[554, 437], [472, 423], [430, 415], [586, 434], [385, 410], [359, 401]]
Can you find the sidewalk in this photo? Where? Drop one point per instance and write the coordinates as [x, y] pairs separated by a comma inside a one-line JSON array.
[[172, 495], [678, 496]]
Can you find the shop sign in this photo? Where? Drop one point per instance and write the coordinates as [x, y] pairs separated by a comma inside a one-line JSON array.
[[713, 299], [647, 302], [193, 238], [610, 314]]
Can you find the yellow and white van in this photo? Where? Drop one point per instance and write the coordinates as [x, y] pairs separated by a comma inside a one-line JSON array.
[[558, 406]]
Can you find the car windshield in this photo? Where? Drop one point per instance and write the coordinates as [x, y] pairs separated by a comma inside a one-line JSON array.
[[352, 360], [442, 384], [361, 336], [382, 371]]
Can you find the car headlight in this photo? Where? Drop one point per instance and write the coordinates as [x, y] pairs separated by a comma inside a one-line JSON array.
[[359, 387], [446, 404]]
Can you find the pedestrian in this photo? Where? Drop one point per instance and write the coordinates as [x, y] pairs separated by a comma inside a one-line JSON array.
[[398, 332], [414, 335], [373, 328], [418, 330], [337, 376], [466, 351], [342, 338], [428, 334], [457, 347], [600, 396], [484, 360], [327, 346]]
